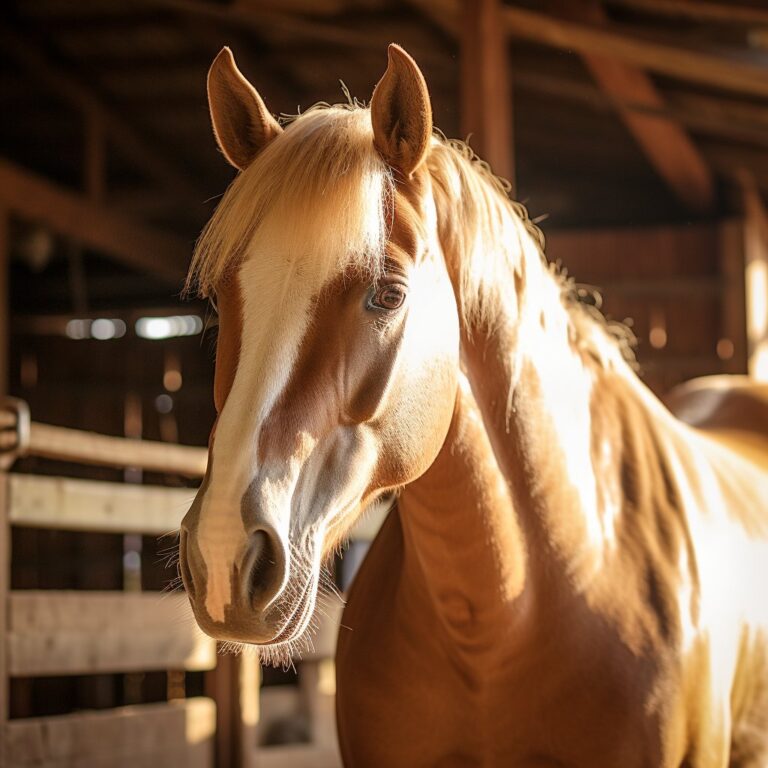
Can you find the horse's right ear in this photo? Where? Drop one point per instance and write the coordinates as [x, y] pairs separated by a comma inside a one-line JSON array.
[[241, 122]]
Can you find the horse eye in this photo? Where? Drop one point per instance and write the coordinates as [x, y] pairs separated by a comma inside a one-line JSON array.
[[388, 297]]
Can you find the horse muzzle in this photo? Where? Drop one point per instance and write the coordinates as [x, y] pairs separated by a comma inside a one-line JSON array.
[[239, 592]]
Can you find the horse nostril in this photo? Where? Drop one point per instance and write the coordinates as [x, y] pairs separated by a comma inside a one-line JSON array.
[[262, 573]]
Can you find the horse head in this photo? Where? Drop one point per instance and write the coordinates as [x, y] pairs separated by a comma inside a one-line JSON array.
[[338, 352]]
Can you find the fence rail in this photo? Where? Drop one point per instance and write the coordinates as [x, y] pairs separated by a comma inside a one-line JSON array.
[[176, 734], [20, 436]]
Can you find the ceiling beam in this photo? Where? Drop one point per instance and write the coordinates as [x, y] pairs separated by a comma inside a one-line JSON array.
[[720, 12], [665, 144], [713, 69], [356, 34], [738, 121], [153, 162], [109, 232]]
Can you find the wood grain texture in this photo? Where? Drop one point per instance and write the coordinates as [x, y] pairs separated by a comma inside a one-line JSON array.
[[64, 444], [88, 505], [5, 573], [486, 97], [177, 734], [718, 70], [53, 633]]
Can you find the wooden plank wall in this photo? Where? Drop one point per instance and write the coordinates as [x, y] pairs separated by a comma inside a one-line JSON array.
[[681, 287]]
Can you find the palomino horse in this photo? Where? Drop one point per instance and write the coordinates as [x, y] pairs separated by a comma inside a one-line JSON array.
[[571, 576]]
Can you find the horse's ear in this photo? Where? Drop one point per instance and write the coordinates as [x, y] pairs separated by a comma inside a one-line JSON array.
[[401, 113], [241, 122]]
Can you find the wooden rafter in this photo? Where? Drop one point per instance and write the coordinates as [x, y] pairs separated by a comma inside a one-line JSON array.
[[152, 161], [698, 10], [718, 70], [109, 232], [663, 141], [738, 121], [5, 257]]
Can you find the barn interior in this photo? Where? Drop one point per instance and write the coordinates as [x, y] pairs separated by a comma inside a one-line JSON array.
[[635, 132]]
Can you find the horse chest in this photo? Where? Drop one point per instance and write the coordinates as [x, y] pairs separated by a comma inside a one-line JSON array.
[[405, 699]]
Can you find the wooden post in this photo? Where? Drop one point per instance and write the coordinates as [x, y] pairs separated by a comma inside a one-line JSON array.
[[732, 345], [755, 276], [486, 108], [95, 157], [5, 261], [249, 684], [5, 575], [222, 685]]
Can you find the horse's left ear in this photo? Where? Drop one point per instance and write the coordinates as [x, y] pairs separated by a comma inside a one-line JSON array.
[[401, 113], [242, 123]]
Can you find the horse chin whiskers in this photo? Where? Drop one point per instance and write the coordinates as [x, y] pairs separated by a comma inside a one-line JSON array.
[[297, 606]]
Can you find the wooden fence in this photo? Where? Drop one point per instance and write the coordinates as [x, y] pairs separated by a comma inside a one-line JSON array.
[[49, 632]]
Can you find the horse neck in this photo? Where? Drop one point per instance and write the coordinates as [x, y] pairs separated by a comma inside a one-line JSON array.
[[566, 416], [462, 540], [527, 504]]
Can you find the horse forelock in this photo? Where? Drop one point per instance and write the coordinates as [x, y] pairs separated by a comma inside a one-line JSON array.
[[318, 199]]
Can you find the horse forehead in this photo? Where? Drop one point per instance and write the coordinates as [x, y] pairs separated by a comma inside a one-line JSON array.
[[242, 321]]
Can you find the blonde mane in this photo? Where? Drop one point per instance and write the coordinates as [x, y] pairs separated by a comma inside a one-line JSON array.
[[321, 196]]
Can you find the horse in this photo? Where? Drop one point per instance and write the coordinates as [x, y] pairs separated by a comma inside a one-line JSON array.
[[569, 575]]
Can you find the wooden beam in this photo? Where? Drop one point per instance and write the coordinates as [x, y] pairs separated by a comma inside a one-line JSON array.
[[95, 166], [81, 633], [62, 444], [732, 345], [5, 263], [352, 36], [736, 120], [742, 121], [152, 161], [730, 159], [717, 70], [109, 232], [64, 503], [5, 584], [701, 11], [174, 734], [667, 147], [485, 90]]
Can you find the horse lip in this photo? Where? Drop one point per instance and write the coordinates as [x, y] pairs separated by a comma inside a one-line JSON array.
[[255, 630], [300, 610]]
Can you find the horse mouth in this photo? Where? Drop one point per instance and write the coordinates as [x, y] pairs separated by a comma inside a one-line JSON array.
[[299, 618]]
